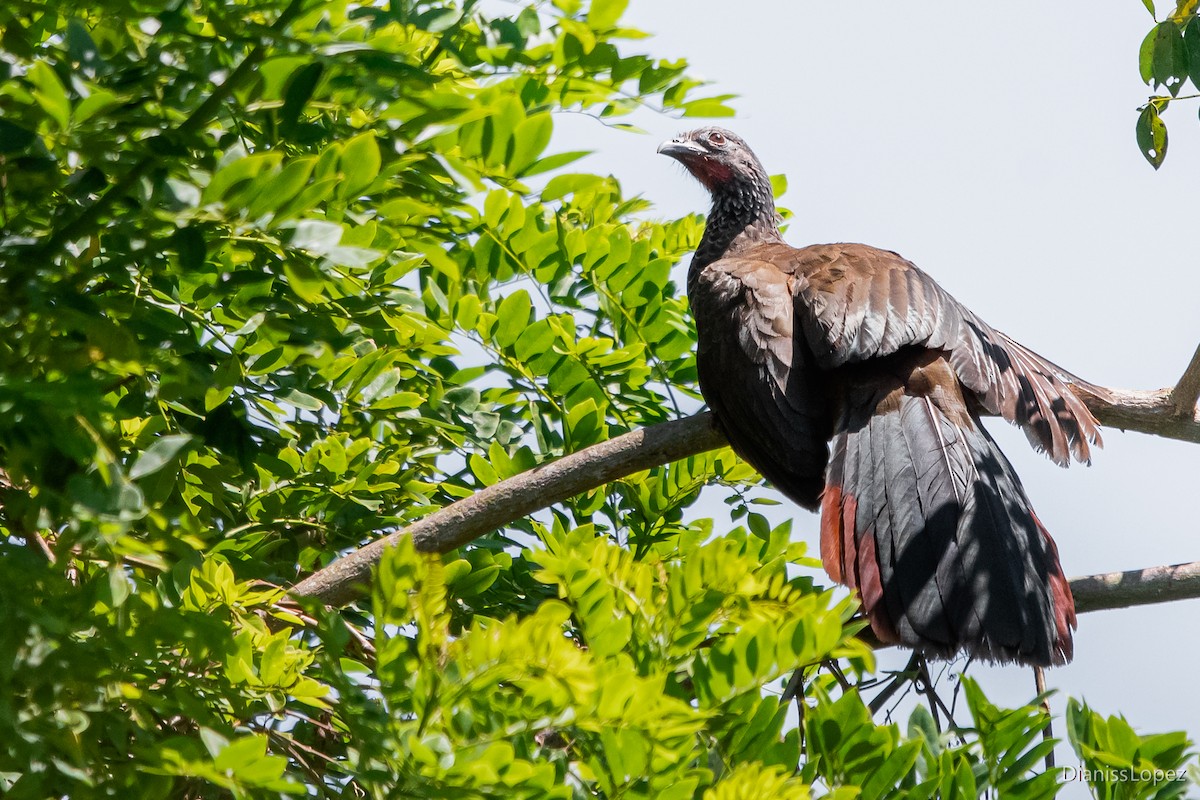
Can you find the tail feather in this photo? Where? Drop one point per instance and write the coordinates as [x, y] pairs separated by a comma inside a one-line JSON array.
[[925, 517]]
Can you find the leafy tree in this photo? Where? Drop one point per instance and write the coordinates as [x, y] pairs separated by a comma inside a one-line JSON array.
[[1168, 58], [281, 277]]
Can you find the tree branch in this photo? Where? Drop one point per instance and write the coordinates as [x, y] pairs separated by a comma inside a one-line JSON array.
[[519, 496], [1108, 591], [1152, 412], [1137, 587], [1187, 390]]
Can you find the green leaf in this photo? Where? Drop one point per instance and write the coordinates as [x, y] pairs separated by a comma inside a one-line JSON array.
[[605, 14], [214, 742], [300, 87], [282, 188], [478, 581], [553, 162], [235, 175], [356, 257], [562, 185], [1152, 136], [538, 338], [316, 235], [1163, 56], [529, 140], [398, 400], [224, 380], [94, 104], [512, 317], [333, 457], [118, 587], [191, 246], [436, 20], [159, 454], [50, 94], [360, 163], [708, 107], [1191, 40], [887, 776], [273, 660], [301, 400], [779, 185], [241, 753], [80, 45], [305, 280], [921, 725], [759, 526]]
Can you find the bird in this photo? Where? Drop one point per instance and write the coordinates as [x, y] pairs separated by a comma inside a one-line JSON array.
[[855, 384]]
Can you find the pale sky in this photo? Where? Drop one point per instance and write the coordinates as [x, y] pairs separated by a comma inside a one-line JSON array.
[[993, 145]]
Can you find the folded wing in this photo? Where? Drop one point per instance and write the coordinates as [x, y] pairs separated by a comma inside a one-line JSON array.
[[855, 303]]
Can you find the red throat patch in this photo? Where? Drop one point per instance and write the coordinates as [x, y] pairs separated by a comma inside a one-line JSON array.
[[710, 172]]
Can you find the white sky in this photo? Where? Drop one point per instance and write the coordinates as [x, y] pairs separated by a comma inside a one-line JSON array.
[[993, 145]]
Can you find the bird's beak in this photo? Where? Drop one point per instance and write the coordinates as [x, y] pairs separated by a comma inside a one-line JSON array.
[[680, 148]]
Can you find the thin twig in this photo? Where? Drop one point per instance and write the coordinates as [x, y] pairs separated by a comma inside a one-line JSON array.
[[316, 776], [33, 538], [38, 544]]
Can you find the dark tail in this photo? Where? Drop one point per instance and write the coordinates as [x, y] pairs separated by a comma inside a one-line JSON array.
[[925, 517]]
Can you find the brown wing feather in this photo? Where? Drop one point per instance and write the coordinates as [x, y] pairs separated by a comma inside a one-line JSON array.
[[757, 375], [855, 303]]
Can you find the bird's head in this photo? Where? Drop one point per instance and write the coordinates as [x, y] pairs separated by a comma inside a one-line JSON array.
[[718, 158]]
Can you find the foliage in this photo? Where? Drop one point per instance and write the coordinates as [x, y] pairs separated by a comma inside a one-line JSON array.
[[1117, 763], [1169, 57], [279, 277], [641, 679]]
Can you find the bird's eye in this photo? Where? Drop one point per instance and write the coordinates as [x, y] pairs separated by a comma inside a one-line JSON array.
[[716, 139]]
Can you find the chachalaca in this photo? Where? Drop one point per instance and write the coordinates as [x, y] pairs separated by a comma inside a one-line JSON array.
[[855, 384]]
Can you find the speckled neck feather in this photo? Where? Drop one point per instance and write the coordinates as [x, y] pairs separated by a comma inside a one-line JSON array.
[[742, 215]]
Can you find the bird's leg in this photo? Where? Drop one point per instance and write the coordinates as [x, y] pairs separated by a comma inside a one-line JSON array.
[[1039, 681], [909, 672], [795, 689], [838, 675], [924, 684]]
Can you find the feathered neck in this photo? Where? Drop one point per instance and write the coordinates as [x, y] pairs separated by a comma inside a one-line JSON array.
[[743, 215]]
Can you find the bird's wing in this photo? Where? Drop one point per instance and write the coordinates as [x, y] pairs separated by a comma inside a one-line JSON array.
[[753, 373], [855, 303], [925, 517]]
